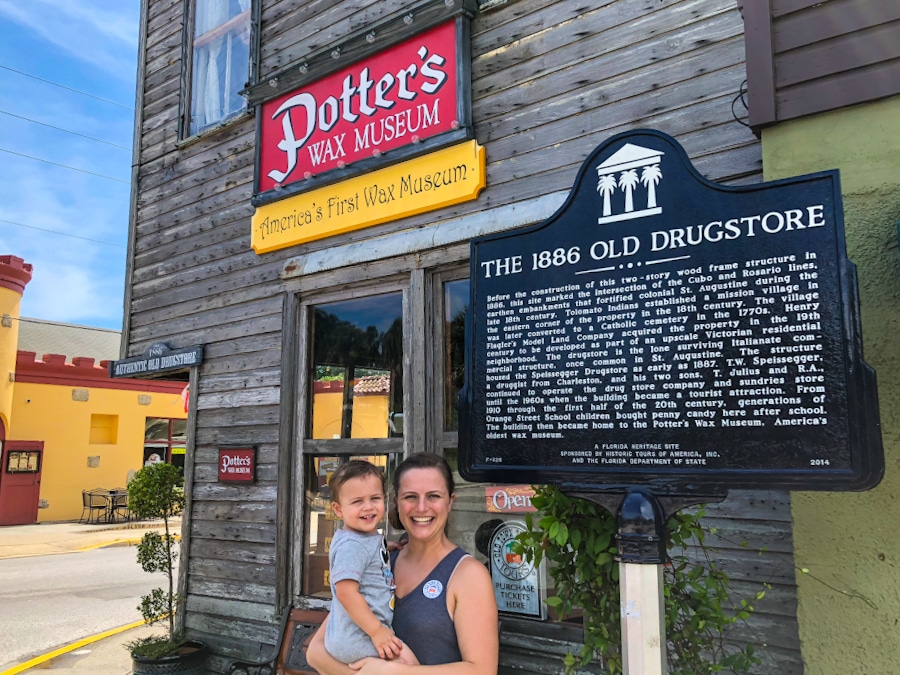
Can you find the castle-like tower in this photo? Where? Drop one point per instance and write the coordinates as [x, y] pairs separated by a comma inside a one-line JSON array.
[[15, 274]]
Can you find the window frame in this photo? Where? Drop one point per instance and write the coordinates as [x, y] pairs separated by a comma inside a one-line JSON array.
[[185, 135], [308, 294]]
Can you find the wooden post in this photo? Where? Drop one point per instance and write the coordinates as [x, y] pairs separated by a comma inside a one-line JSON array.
[[643, 619], [642, 552]]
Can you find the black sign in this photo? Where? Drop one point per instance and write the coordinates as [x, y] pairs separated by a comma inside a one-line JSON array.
[[157, 358], [666, 331]]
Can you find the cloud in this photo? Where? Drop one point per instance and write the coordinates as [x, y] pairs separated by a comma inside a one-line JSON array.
[[101, 34]]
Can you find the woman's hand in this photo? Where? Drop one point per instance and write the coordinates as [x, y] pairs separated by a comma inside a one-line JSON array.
[[373, 666]]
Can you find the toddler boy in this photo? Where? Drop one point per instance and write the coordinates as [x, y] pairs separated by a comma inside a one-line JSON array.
[[362, 585]]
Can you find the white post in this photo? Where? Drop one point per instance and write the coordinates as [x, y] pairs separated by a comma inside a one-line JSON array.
[[643, 619]]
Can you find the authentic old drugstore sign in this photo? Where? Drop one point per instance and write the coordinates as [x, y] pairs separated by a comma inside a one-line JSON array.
[[158, 358], [665, 331]]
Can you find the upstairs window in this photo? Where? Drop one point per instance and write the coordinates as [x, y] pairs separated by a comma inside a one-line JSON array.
[[220, 62]]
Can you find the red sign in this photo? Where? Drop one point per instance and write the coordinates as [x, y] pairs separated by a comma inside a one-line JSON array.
[[509, 499], [397, 97], [237, 465]]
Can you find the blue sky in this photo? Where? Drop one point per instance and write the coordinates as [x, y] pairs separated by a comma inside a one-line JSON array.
[[89, 46]]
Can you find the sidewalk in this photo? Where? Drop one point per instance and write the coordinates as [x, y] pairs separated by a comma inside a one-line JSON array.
[[102, 654]]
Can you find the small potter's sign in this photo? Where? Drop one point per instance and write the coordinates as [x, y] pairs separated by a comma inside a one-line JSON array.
[[237, 465]]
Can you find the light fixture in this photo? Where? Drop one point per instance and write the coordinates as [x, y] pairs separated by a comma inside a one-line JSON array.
[[273, 82], [303, 68], [336, 53], [370, 37], [408, 19]]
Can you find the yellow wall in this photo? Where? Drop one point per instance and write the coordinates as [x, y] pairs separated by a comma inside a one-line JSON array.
[[43, 412], [10, 301], [370, 416], [849, 601]]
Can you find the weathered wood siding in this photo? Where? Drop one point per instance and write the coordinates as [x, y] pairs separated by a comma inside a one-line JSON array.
[[809, 56], [551, 80]]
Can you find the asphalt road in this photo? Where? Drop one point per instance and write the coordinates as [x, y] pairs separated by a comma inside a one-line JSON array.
[[50, 601]]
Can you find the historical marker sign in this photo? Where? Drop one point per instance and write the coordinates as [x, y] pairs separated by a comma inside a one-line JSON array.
[[666, 331]]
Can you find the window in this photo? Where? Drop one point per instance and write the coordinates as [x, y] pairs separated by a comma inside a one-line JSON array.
[[165, 440], [357, 379], [104, 429], [219, 62], [354, 397]]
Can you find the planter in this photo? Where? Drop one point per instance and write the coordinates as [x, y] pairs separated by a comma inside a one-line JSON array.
[[190, 660]]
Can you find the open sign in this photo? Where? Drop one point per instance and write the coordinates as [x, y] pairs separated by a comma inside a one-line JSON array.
[[509, 499]]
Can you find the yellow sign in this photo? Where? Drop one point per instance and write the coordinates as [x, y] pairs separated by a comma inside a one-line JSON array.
[[442, 178]]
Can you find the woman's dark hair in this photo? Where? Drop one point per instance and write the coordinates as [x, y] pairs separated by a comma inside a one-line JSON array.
[[421, 460]]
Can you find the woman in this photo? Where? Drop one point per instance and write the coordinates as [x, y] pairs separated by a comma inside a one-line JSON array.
[[444, 608]]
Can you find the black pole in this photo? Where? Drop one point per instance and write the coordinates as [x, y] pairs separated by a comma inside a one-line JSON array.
[[641, 530]]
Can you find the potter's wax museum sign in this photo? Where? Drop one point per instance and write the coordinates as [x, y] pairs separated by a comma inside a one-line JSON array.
[[442, 178], [664, 331], [349, 150], [399, 97]]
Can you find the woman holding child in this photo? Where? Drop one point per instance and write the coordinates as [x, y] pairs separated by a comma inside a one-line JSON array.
[[444, 600]]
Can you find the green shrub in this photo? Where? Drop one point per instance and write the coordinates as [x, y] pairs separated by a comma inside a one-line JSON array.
[[577, 537]]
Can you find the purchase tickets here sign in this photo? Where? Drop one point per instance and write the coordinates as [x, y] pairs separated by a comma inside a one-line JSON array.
[[397, 97]]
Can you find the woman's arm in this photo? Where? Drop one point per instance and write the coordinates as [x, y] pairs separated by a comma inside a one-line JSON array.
[[474, 611], [319, 658]]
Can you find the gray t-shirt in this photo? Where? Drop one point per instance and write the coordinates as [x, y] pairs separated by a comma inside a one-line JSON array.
[[363, 558]]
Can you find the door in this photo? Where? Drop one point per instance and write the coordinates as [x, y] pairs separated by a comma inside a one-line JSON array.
[[20, 481]]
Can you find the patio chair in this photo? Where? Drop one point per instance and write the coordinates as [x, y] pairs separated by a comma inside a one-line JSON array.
[[118, 508], [92, 505]]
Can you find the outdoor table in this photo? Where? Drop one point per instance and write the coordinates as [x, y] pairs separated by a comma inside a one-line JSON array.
[[116, 502]]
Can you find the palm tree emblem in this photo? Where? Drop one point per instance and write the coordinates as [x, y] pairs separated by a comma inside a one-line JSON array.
[[606, 186], [628, 180], [624, 171], [650, 177]]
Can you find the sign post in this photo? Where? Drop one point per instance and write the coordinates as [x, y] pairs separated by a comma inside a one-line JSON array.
[[662, 338]]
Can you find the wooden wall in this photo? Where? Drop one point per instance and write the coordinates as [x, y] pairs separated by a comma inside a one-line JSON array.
[[809, 56], [551, 80]]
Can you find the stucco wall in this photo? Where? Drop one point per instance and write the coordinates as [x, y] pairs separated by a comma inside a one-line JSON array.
[[10, 301], [48, 413], [849, 602]]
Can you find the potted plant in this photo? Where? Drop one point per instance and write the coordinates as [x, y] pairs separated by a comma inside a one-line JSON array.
[[157, 492]]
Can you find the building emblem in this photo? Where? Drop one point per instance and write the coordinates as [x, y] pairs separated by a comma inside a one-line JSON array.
[[504, 559], [626, 171]]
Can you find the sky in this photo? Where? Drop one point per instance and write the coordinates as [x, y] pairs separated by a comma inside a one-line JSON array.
[[65, 191]]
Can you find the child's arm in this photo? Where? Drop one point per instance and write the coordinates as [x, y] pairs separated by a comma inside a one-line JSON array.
[[388, 645]]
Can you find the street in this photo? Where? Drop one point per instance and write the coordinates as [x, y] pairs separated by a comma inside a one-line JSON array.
[[50, 601]]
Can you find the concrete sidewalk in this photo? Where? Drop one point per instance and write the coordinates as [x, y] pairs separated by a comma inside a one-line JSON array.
[[102, 654], [19, 541]]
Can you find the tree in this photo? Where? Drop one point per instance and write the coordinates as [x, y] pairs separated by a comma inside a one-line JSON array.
[[650, 177], [628, 180], [606, 186], [156, 491]]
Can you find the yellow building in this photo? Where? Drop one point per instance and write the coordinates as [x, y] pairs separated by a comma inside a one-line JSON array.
[[68, 427]]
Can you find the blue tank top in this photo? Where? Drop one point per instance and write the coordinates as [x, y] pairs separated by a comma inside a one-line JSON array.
[[421, 618]]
